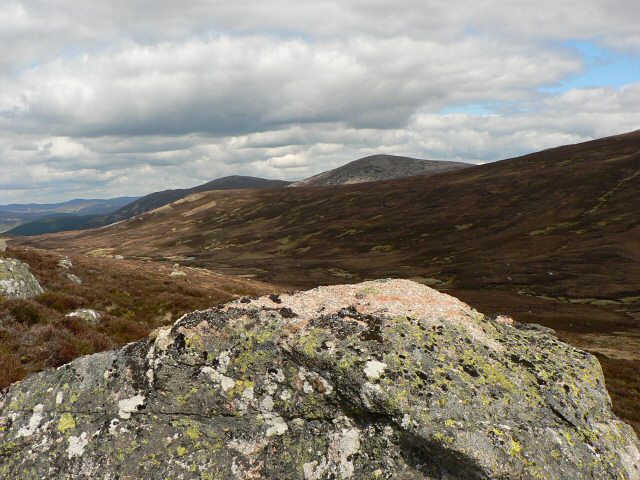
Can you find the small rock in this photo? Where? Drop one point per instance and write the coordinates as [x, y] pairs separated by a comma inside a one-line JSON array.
[[178, 273], [86, 314], [65, 262], [73, 278]]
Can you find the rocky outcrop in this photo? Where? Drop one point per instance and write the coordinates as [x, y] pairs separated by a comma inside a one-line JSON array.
[[379, 167], [16, 280], [385, 379]]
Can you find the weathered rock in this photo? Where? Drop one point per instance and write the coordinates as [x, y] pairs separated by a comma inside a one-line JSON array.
[[73, 278], [16, 280], [3, 245], [65, 263], [86, 314], [387, 379]]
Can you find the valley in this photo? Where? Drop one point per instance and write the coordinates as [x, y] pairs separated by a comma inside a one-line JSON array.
[[549, 238]]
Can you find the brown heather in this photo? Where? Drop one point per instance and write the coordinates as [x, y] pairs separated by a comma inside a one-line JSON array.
[[134, 296]]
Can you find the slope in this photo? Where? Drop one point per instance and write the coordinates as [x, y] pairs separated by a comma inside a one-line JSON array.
[[14, 215], [154, 200], [131, 298]]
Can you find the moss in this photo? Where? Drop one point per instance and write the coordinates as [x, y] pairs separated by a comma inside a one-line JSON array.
[[66, 422], [516, 448], [183, 399], [443, 438], [193, 432], [9, 448], [569, 439], [312, 341], [194, 342], [239, 388], [181, 451], [133, 446]]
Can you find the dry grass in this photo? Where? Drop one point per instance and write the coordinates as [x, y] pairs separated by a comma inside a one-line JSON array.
[[134, 297], [623, 384]]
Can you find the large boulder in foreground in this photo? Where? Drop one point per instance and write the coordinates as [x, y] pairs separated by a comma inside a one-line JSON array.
[[385, 379], [16, 280]]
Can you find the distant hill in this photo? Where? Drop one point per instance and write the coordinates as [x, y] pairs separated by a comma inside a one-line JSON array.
[[17, 214], [78, 206], [62, 223], [379, 167], [160, 199]]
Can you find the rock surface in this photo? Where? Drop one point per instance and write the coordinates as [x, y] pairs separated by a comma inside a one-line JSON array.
[[16, 280], [385, 379]]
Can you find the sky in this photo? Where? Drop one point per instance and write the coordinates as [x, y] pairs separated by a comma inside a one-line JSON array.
[[126, 97]]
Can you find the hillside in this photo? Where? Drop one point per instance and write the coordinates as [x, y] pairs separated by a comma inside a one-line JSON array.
[[379, 167], [17, 214], [131, 299], [549, 238], [61, 223]]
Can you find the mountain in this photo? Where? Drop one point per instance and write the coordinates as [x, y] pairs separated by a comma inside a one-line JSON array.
[[159, 199], [379, 167], [63, 223], [549, 238], [379, 380], [53, 223], [17, 214], [78, 206]]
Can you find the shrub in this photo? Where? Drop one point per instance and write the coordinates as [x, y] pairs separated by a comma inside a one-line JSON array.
[[24, 311], [11, 370], [61, 302], [125, 330]]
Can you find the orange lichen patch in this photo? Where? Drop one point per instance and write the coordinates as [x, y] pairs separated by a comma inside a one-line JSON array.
[[388, 298], [504, 319]]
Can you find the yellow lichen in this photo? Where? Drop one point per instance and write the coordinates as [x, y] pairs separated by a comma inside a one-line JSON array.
[[66, 422], [516, 448]]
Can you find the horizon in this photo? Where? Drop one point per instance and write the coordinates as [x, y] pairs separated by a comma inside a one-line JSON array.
[[97, 105]]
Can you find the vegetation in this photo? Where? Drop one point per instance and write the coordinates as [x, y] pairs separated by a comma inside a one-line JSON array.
[[134, 297], [623, 383]]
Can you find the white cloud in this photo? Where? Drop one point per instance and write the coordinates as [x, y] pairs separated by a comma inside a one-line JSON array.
[[128, 97]]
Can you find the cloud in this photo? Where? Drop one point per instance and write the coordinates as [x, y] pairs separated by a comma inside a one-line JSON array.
[[130, 97], [228, 85]]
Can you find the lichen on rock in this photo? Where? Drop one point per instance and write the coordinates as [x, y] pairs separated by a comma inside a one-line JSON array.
[[385, 379], [16, 280]]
